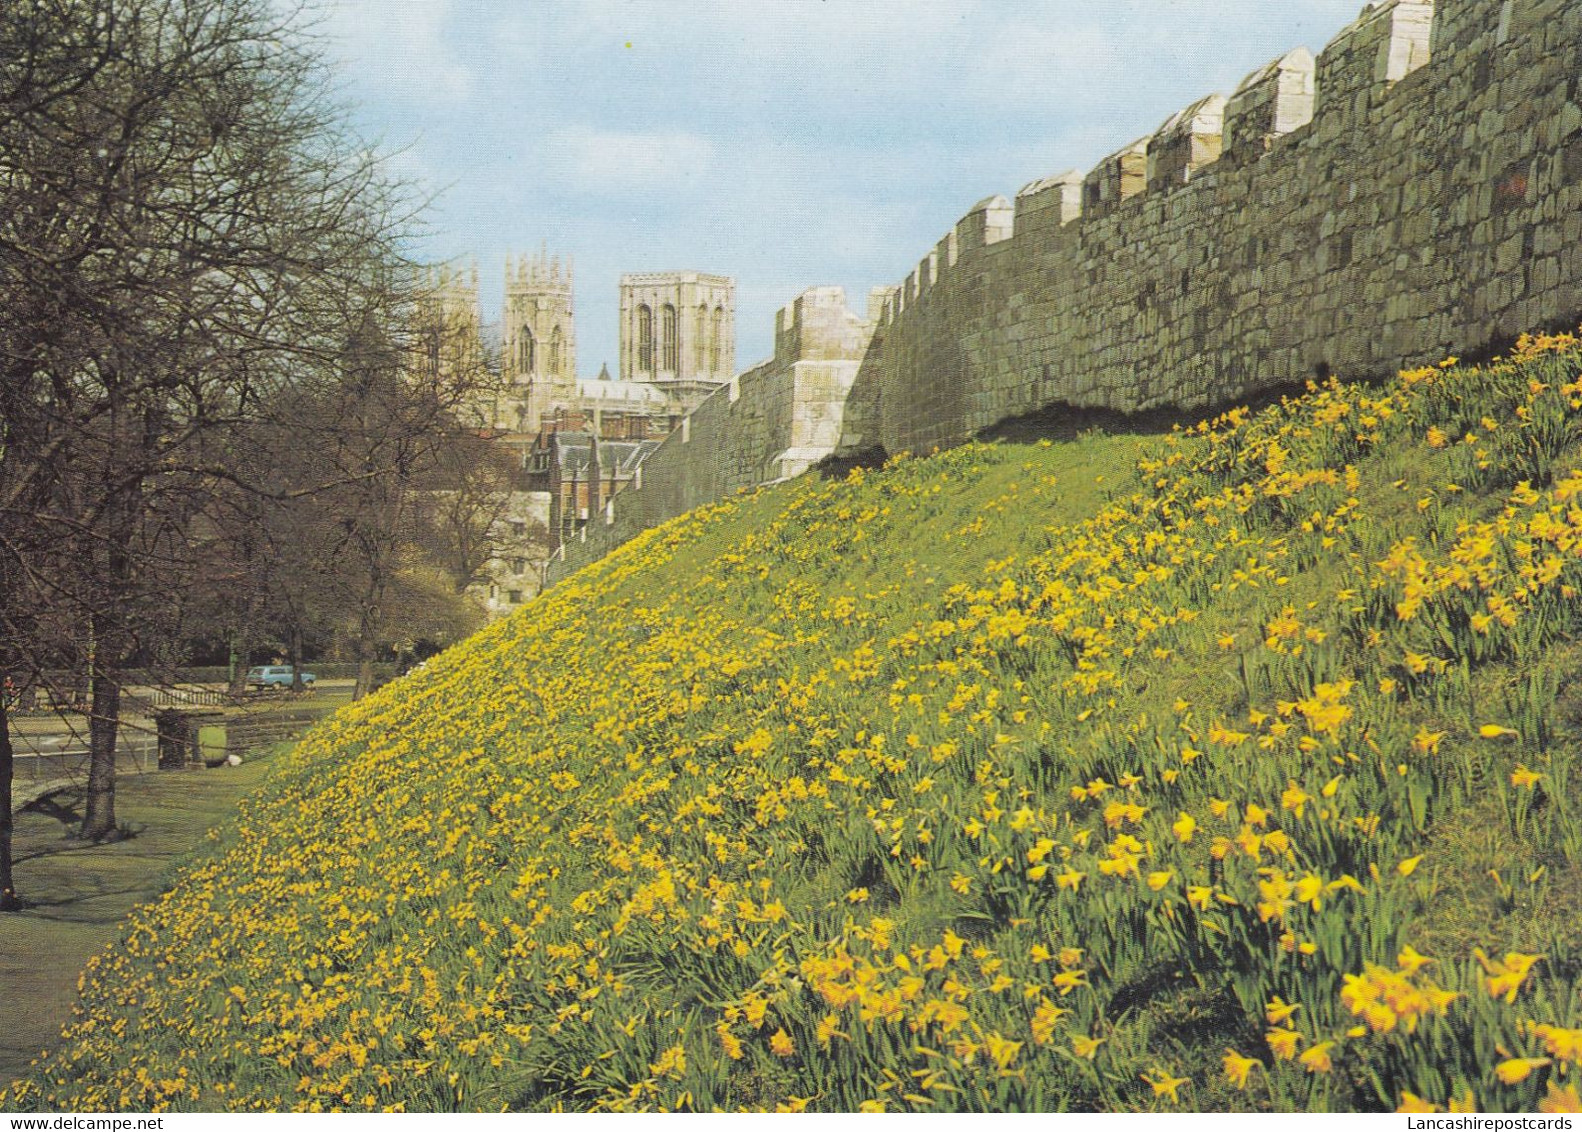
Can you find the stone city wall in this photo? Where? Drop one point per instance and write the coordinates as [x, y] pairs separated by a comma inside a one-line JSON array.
[[772, 422], [1414, 191]]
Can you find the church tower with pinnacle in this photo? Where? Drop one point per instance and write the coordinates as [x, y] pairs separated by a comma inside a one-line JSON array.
[[448, 338], [538, 340]]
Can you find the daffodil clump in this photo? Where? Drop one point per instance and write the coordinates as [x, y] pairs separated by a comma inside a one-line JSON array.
[[1230, 768]]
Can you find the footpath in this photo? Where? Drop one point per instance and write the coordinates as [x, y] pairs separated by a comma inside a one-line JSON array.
[[78, 895]]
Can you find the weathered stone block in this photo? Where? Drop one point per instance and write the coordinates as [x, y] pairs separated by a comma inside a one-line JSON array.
[[1274, 100], [1462, 27], [1382, 46], [1189, 140], [1049, 203], [1121, 175], [988, 222]]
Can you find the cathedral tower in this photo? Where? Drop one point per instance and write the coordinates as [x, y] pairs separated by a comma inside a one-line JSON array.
[[538, 351], [447, 338], [678, 332]]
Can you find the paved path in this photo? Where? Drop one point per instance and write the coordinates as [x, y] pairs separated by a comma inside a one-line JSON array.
[[78, 894]]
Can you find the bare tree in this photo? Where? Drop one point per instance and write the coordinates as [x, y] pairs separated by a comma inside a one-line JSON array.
[[461, 517], [185, 233], [380, 439]]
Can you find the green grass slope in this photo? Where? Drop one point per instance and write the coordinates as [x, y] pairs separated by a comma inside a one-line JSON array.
[[1228, 768]]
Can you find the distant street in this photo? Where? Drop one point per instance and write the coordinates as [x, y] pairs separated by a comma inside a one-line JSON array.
[[50, 745]]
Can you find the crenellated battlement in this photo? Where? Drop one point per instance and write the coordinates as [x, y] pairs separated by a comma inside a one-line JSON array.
[[1348, 81], [989, 222], [1050, 203], [818, 327], [1381, 47], [539, 271], [1120, 176], [451, 286], [1414, 189]]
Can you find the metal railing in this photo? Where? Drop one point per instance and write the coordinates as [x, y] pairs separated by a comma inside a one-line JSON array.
[[40, 757], [183, 697]]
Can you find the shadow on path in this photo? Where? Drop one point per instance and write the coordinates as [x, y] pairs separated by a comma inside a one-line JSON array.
[[77, 894]]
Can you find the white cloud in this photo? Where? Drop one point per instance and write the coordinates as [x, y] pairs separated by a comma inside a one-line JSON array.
[[611, 163], [401, 48]]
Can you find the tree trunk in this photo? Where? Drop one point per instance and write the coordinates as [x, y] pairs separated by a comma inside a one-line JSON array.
[[368, 625], [9, 901], [110, 638], [365, 658], [104, 720], [239, 656], [294, 655]]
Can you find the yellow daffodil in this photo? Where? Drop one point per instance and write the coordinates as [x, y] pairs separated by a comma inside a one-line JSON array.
[[1517, 1069], [1282, 1042], [1315, 1058], [1505, 977], [1165, 1085], [1086, 1047], [1277, 1012], [1068, 981], [1524, 779], [1238, 1068], [1411, 960], [1560, 1100], [1411, 1102]]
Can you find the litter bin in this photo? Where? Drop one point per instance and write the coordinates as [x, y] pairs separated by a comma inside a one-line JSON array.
[[183, 738]]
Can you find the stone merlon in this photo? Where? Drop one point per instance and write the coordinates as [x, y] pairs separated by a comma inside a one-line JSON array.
[[1122, 174], [1275, 100], [1189, 140], [1049, 203]]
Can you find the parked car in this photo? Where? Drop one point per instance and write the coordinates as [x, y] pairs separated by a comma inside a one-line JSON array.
[[270, 676]]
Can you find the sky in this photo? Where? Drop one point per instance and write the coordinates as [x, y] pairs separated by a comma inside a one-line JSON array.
[[786, 143]]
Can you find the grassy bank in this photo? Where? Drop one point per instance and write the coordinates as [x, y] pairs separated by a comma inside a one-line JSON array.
[[1228, 768]]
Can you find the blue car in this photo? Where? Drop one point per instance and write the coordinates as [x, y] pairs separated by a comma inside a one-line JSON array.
[[271, 676]]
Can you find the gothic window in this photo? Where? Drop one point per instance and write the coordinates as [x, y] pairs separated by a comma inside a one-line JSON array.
[[701, 339], [556, 357], [717, 342], [672, 355], [524, 345], [645, 339]]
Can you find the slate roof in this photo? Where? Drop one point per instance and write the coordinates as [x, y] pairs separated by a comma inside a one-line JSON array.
[[574, 453]]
